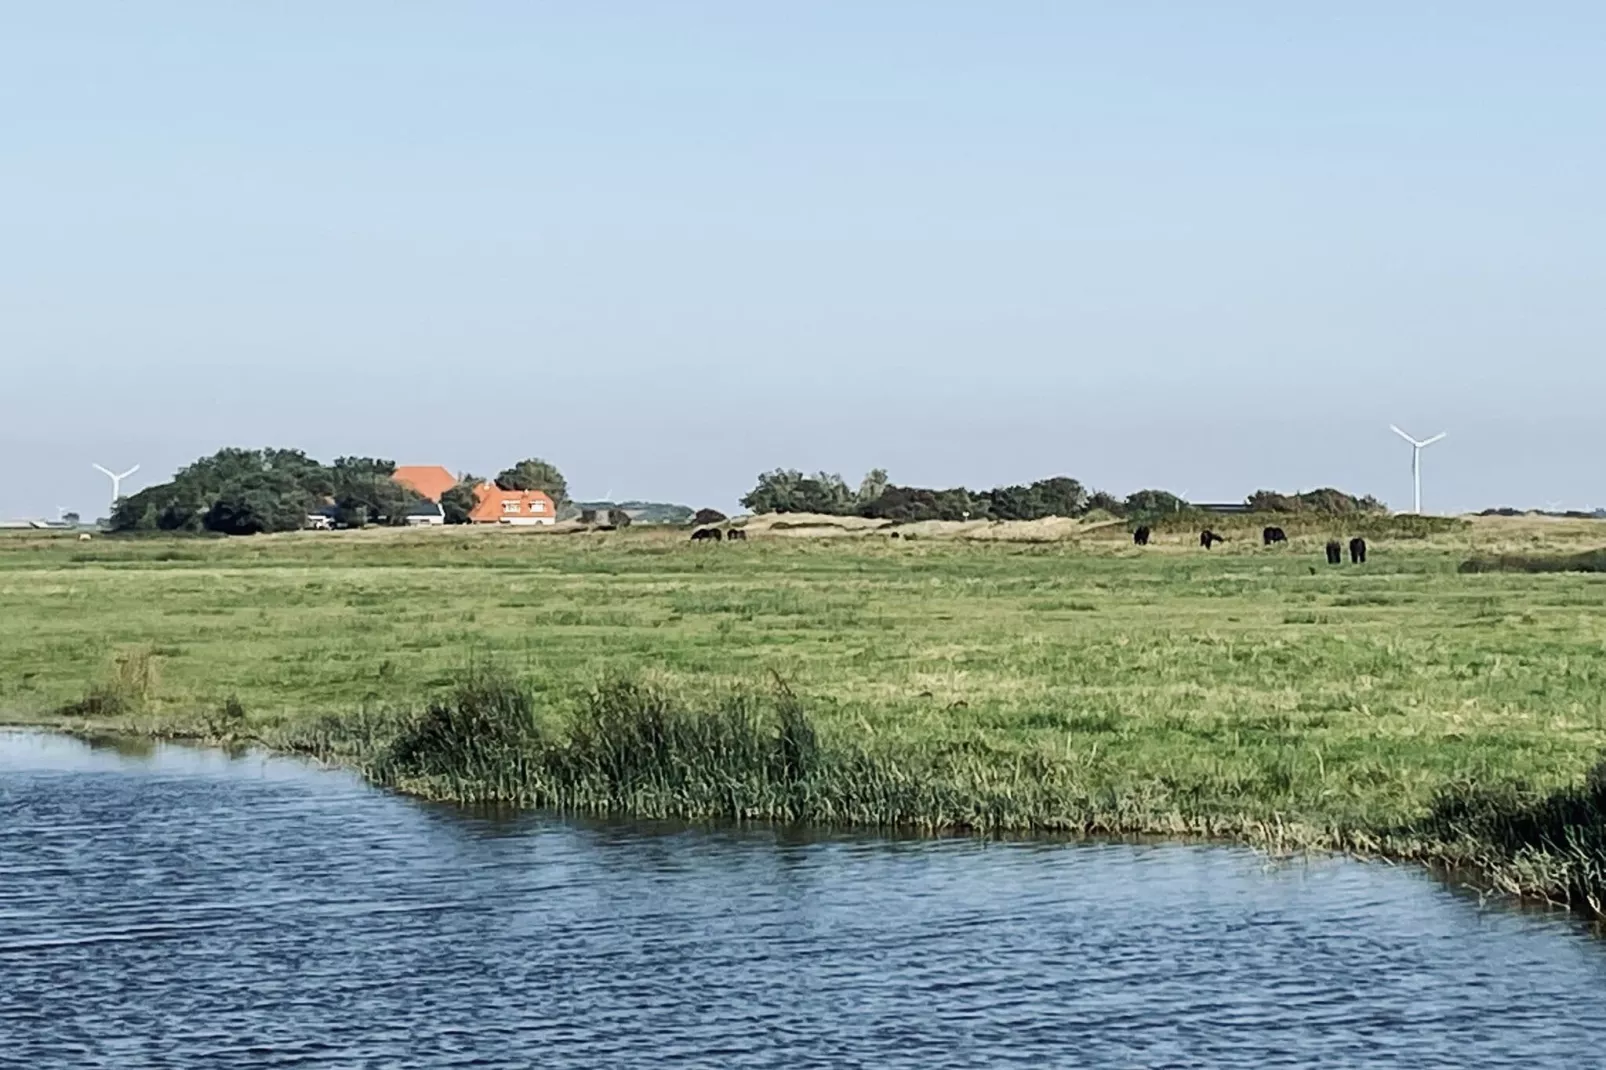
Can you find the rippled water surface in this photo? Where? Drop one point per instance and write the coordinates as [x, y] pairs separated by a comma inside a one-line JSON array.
[[176, 908]]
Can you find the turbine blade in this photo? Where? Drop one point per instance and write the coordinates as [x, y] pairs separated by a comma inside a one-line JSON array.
[[1435, 438], [103, 471], [1403, 435]]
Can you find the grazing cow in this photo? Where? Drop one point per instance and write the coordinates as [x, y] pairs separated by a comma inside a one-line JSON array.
[[736, 534], [1357, 550], [1141, 536], [1335, 552], [1271, 535], [1208, 538], [705, 534]]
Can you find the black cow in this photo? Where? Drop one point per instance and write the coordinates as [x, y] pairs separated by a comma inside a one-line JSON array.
[[1271, 535], [705, 534], [1357, 550], [1208, 538], [736, 534], [1335, 552], [1141, 536]]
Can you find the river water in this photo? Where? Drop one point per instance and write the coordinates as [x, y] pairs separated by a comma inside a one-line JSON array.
[[170, 907]]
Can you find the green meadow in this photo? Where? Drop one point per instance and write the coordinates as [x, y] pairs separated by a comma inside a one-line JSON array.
[[1088, 684]]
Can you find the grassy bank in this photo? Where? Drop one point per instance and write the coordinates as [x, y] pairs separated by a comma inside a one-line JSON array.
[[1079, 684], [1584, 561]]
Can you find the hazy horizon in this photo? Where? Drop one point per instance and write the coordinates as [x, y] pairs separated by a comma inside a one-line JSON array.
[[1207, 251]]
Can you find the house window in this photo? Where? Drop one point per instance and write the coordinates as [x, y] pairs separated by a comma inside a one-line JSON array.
[[537, 506], [510, 506]]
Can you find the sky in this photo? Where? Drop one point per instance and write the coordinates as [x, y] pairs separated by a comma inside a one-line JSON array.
[[1205, 247]]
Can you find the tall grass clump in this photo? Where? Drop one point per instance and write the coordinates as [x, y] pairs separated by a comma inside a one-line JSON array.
[[1548, 846], [475, 745], [123, 689], [636, 749], [629, 748]]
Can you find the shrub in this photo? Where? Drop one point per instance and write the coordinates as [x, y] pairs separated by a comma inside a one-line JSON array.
[[1326, 501]]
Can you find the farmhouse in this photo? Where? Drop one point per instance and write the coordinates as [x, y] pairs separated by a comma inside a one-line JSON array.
[[493, 505]]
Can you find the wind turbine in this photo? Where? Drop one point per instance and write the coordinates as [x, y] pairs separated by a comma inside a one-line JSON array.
[[1416, 461], [116, 478]]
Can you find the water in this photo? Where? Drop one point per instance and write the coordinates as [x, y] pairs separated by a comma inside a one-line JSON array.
[[176, 908]]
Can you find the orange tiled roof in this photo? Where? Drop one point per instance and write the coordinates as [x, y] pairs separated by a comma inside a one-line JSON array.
[[430, 480], [491, 504]]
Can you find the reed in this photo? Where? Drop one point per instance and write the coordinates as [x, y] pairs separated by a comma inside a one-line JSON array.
[[1539, 845], [635, 749], [121, 691]]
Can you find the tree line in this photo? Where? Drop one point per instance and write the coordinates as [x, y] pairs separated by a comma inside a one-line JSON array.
[[252, 491], [877, 497]]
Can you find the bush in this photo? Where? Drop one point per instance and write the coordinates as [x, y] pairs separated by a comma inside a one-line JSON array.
[[704, 517], [907, 504], [1151, 504], [1060, 496], [1326, 501]]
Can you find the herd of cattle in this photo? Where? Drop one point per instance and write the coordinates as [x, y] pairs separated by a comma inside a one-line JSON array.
[[713, 534], [1335, 549], [1207, 539]]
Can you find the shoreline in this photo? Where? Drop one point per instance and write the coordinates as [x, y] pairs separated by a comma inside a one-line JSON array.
[[1271, 837]]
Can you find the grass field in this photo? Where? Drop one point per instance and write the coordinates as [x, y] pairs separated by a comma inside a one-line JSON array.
[[1249, 692]]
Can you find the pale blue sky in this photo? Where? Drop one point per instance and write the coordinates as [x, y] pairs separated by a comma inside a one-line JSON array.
[[1209, 247]]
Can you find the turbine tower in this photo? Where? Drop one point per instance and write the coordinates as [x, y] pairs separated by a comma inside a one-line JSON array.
[[116, 478], [1416, 462]]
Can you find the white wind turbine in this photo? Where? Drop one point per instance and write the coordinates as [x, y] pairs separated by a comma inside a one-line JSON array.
[[116, 478], [1416, 461]]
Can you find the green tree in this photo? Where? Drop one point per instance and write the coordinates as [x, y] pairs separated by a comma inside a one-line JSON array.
[[906, 504], [873, 485], [535, 474], [233, 490], [704, 517], [1059, 496], [1153, 503], [365, 493], [459, 502], [789, 491], [257, 502], [1105, 502]]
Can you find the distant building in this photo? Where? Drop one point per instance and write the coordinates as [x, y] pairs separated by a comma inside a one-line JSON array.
[[430, 480], [493, 505]]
